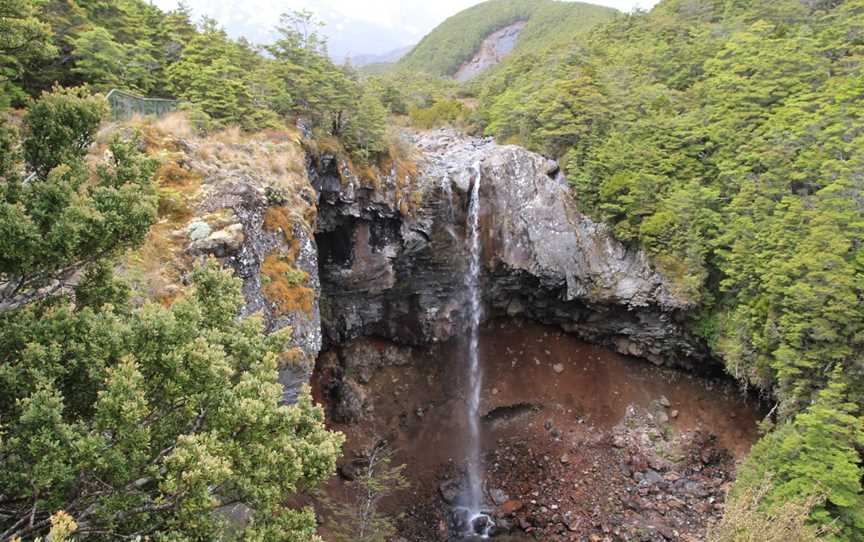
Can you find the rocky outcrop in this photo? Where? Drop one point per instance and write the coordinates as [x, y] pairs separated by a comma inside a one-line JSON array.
[[493, 49], [246, 201], [333, 256], [396, 273]]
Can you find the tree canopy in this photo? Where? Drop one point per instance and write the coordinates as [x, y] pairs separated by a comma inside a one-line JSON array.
[[723, 137], [121, 420]]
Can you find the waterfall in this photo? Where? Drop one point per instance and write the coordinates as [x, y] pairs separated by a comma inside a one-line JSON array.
[[475, 376], [447, 188], [477, 522]]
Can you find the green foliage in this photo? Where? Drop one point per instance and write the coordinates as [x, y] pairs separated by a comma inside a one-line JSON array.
[[131, 45], [70, 215], [60, 127], [366, 128], [724, 138], [150, 420], [401, 91], [440, 113], [212, 73], [23, 39], [323, 93], [815, 455], [122, 422], [99, 287], [100, 59], [9, 161], [455, 41]]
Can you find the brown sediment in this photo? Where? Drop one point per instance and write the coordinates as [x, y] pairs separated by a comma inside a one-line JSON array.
[[572, 430]]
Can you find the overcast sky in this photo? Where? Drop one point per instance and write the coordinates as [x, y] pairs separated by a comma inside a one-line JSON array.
[[354, 27]]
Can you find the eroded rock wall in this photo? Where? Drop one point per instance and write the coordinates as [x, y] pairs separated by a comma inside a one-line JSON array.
[[493, 49], [397, 271]]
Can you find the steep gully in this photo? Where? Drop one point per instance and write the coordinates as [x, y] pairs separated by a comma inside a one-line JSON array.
[[493, 49], [402, 277]]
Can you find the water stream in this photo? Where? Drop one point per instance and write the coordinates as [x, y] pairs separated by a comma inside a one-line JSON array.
[[478, 523]]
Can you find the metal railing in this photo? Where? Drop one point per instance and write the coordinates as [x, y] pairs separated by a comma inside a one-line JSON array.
[[124, 105]]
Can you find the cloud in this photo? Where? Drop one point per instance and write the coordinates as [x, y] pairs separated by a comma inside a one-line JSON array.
[[354, 27]]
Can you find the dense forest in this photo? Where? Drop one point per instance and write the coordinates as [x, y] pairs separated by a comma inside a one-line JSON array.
[[457, 39], [122, 419], [723, 136]]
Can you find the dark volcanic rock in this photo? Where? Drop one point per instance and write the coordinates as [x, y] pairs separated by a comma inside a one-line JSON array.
[[399, 274]]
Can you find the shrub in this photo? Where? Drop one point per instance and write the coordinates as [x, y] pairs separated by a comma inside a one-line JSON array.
[[60, 127]]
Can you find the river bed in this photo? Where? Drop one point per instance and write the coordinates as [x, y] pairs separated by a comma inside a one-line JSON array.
[[574, 423]]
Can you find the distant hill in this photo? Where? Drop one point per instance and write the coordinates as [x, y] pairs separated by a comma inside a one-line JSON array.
[[390, 57], [459, 38]]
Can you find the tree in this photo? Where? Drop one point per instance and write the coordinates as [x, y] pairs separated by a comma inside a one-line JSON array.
[[60, 127], [213, 73], [360, 519], [99, 59], [22, 34], [70, 215], [23, 38], [148, 421], [367, 126], [816, 455], [321, 91]]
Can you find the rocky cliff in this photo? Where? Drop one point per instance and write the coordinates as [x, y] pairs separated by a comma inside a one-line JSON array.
[[334, 256], [246, 201], [393, 266]]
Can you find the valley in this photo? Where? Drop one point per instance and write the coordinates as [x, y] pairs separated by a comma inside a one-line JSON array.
[[578, 441], [559, 272]]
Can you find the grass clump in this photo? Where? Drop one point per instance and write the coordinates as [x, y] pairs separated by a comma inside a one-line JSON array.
[[284, 286]]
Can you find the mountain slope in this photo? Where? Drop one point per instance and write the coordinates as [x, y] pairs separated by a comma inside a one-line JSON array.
[[455, 41], [725, 138]]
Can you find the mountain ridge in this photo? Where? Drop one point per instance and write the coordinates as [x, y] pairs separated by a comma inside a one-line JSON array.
[[458, 39]]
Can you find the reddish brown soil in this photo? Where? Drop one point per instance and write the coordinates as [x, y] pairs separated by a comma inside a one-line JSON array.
[[584, 444]]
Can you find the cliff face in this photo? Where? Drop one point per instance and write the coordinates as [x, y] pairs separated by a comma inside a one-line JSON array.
[[334, 257], [246, 201], [399, 274]]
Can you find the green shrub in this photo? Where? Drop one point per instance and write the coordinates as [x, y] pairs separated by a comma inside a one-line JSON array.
[[60, 127]]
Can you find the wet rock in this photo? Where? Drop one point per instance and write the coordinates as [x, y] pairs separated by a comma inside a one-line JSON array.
[[395, 272], [450, 490], [664, 401], [558, 368], [498, 497]]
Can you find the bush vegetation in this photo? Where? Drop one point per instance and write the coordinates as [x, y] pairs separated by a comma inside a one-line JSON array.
[[457, 39], [724, 138], [122, 420]]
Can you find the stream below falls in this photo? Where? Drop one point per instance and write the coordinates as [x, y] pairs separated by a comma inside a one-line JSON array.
[[576, 440]]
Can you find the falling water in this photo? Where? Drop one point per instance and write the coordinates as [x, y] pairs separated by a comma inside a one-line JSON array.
[[478, 523], [447, 188], [475, 378]]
